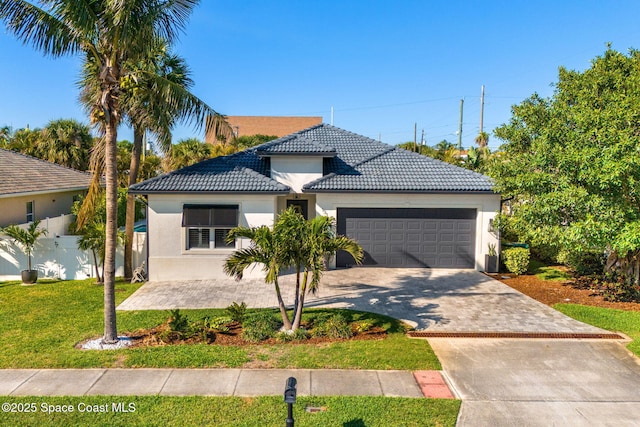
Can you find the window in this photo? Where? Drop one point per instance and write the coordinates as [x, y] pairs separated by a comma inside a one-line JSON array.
[[208, 225], [30, 212]]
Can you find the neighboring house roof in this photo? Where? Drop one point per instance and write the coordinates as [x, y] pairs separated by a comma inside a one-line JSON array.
[[269, 125], [353, 163], [21, 174]]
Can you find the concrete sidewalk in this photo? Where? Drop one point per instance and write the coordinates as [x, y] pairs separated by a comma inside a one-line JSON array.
[[220, 382]]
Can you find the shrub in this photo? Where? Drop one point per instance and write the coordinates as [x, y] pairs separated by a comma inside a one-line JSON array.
[[218, 324], [335, 326], [516, 260], [179, 322], [583, 263], [237, 312], [299, 334], [259, 326], [363, 326]]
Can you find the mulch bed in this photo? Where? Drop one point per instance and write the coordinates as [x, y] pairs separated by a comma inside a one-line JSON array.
[[151, 337], [560, 292]]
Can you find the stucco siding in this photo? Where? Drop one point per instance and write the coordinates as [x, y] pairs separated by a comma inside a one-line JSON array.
[[168, 257], [296, 171], [13, 210]]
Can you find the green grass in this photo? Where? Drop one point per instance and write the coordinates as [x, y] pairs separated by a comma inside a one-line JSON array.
[[627, 322], [41, 324], [236, 411], [544, 272]]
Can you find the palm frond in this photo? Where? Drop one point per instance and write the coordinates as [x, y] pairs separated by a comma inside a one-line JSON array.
[[47, 31]]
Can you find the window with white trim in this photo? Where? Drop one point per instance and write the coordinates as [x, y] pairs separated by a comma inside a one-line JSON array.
[[30, 211], [207, 226]]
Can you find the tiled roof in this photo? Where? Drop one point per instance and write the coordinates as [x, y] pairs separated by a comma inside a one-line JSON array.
[[398, 170], [295, 144], [22, 174], [238, 173], [353, 163]]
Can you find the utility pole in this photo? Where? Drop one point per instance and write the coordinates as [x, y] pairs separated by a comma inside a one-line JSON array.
[[460, 126], [481, 107], [332, 116]]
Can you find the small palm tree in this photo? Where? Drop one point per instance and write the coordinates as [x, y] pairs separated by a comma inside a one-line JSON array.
[[265, 249], [320, 241], [26, 239], [293, 242]]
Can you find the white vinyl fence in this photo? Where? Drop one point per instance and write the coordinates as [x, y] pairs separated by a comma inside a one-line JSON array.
[[58, 256]]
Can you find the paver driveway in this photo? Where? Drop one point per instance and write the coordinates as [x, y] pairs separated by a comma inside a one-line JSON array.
[[502, 382], [429, 299]]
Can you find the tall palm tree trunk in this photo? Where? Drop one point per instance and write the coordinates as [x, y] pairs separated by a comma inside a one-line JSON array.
[[109, 272], [134, 168]]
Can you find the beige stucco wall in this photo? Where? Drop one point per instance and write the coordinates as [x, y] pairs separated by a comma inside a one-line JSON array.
[[296, 171], [487, 206], [13, 210], [168, 257]]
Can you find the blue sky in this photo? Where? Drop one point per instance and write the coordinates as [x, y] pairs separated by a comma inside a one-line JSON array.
[[382, 65]]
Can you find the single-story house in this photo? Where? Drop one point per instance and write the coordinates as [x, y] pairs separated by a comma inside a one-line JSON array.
[[33, 189], [405, 209]]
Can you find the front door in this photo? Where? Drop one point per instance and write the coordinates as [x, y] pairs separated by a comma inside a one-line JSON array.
[[302, 206]]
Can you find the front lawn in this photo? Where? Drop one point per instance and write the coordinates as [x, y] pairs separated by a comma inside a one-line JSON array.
[[627, 322], [234, 411], [40, 326]]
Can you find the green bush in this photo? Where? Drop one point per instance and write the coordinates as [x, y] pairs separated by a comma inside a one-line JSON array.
[[516, 260], [299, 334], [583, 263], [335, 326], [259, 326], [237, 312]]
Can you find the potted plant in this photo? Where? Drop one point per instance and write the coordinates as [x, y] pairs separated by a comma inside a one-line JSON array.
[[26, 240], [491, 259]]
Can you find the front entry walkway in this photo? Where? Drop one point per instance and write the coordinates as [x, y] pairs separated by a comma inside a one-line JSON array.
[[439, 300]]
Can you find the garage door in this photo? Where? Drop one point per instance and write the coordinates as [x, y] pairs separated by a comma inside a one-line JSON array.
[[400, 237]]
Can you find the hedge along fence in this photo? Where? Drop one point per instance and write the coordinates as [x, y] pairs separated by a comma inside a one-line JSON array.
[[516, 260]]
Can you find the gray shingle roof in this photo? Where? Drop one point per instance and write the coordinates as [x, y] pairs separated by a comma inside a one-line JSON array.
[[22, 174], [353, 163]]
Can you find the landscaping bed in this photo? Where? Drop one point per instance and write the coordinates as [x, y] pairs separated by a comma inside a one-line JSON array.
[[561, 291]]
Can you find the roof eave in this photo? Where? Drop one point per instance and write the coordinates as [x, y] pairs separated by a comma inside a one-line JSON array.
[[38, 192], [147, 192], [304, 190]]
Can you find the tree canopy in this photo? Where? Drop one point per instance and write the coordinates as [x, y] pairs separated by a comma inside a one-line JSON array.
[[571, 162]]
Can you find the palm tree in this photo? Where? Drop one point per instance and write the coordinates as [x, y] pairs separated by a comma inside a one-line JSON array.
[[320, 241], [187, 152], [5, 136], [66, 142], [26, 239], [293, 242], [482, 139], [266, 249], [109, 35]]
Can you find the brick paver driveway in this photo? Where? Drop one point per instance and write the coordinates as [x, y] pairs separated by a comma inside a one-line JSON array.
[[430, 299]]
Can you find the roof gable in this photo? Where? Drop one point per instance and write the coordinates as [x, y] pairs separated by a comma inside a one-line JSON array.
[[22, 174]]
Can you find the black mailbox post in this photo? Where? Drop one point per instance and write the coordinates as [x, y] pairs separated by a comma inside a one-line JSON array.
[[290, 399]]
